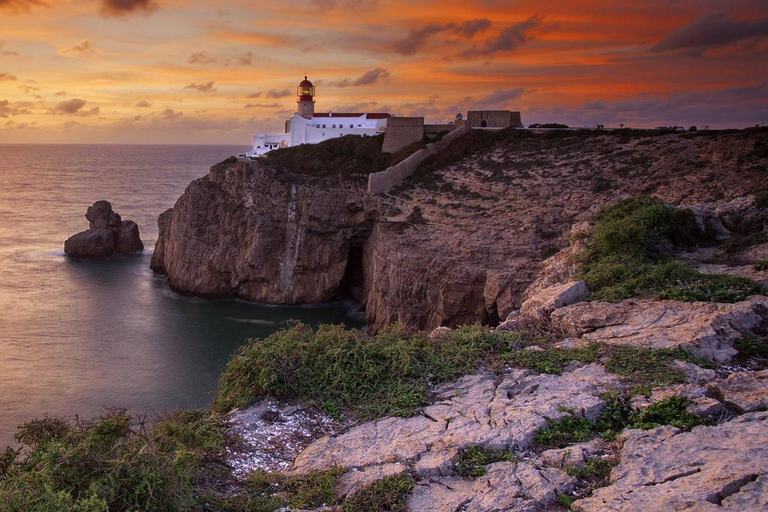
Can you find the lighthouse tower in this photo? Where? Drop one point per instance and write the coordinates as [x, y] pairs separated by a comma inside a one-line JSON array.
[[305, 93]]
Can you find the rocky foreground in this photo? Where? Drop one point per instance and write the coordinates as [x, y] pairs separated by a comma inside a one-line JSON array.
[[459, 243]]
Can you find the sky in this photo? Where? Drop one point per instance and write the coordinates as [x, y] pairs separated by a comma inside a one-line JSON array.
[[215, 72]]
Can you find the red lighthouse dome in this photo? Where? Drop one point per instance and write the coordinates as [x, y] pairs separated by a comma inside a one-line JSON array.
[[305, 91]]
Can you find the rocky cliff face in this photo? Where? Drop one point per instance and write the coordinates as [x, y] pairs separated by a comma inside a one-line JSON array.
[[459, 243]]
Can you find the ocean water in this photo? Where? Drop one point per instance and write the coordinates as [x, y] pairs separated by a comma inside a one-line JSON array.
[[80, 336]]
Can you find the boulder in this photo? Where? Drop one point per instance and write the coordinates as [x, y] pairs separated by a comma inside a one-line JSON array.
[[127, 238], [706, 329], [515, 486], [90, 244], [473, 411], [722, 467], [746, 391], [540, 305], [106, 235]]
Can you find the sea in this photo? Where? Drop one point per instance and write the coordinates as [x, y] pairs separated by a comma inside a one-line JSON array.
[[79, 337]]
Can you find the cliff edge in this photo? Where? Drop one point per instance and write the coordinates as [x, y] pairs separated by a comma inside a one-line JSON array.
[[459, 242]]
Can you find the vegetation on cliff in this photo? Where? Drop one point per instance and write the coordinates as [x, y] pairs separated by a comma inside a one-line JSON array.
[[630, 254]]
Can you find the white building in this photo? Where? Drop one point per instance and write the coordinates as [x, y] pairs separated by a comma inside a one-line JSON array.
[[308, 127]]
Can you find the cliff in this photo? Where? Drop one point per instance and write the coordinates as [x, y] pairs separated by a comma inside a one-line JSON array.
[[459, 242]]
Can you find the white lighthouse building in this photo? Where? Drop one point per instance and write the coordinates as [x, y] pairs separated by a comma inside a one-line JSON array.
[[308, 127]]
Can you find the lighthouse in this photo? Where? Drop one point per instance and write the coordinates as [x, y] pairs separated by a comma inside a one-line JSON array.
[[305, 94]]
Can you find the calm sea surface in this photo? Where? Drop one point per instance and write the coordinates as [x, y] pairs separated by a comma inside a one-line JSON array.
[[79, 336]]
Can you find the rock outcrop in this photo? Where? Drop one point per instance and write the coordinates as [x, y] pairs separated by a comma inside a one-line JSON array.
[[459, 242], [706, 329], [106, 235], [722, 467]]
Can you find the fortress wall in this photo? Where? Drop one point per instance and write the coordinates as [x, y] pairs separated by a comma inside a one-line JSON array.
[[401, 132], [383, 181], [434, 129], [494, 118]]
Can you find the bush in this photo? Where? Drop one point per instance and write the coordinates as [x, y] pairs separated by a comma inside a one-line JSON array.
[[629, 255], [349, 371], [472, 461], [552, 359], [647, 368], [761, 265], [561, 433], [670, 411], [386, 495], [112, 463]]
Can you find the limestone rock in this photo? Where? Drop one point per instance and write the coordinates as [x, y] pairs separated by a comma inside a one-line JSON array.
[[575, 455], [91, 244], [666, 469], [757, 253], [472, 411], [748, 271], [127, 238], [540, 305], [693, 373], [106, 235], [354, 481], [515, 486], [706, 329], [745, 392]]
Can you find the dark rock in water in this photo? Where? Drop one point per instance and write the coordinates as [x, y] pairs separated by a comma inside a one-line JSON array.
[[89, 244], [127, 239], [100, 215], [106, 235]]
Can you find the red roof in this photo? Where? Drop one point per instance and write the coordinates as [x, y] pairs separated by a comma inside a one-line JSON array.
[[305, 82], [376, 115]]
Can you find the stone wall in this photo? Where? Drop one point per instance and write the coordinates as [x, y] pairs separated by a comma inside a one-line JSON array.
[[401, 132], [383, 181], [494, 119]]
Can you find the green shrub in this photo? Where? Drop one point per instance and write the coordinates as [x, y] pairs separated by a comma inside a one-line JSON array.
[[593, 470], [670, 411], [648, 368], [761, 265], [630, 245], [472, 461], [347, 370], [752, 346], [568, 430], [386, 495], [112, 464], [552, 359]]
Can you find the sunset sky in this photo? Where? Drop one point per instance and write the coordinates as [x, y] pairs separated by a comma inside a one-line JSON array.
[[173, 71]]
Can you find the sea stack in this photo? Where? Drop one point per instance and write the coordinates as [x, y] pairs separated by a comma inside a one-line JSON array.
[[106, 235]]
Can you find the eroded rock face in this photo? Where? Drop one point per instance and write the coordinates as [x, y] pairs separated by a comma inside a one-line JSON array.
[[515, 486], [106, 235], [706, 329], [460, 245], [472, 411], [710, 468]]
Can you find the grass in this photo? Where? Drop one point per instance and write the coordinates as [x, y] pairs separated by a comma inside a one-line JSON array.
[[472, 462], [670, 411], [594, 470], [268, 492], [631, 245], [648, 368], [552, 359], [761, 265], [112, 463], [348, 371], [386, 495], [568, 430]]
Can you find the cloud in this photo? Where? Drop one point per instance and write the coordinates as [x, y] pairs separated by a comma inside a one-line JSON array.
[[275, 94], [206, 87], [419, 36], [262, 105], [246, 59], [511, 38], [255, 94], [143, 104], [72, 106], [201, 58], [170, 114], [120, 8], [500, 98], [16, 108], [710, 31], [29, 89], [84, 48], [3, 51], [350, 5], [368, 78], [61, 93], [19, 5], [7, 77]]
